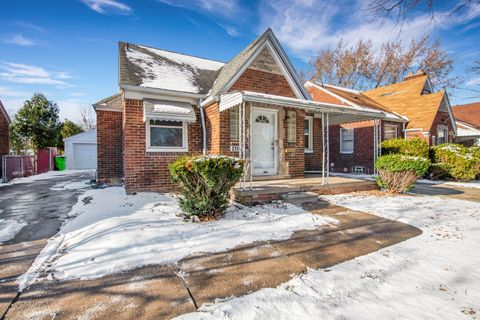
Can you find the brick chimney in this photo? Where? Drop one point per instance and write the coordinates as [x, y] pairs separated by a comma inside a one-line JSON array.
[[411, 75]]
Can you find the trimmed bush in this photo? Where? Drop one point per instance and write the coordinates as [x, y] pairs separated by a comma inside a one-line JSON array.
[[411, 147], [461, 162], [398, 173], [439, 171], [205, 183]]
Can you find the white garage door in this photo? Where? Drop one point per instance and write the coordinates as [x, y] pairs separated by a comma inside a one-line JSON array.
[[84, 156]]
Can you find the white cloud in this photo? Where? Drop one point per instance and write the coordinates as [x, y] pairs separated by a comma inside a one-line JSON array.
[[20, 40], [23, 73], [107, 6], [307, 26], [31, 26], [77, 94], [12, 92], [473, 82], [222, 8]]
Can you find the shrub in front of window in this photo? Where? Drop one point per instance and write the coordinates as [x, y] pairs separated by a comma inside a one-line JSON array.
[[461, 162], [205, 183], [398, 173], [411, 147]]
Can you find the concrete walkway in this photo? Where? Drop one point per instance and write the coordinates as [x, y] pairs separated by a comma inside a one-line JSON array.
[[448, 191], [162, 292], [43, 210]]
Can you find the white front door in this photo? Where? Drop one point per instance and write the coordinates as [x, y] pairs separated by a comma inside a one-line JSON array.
[[264, 142]]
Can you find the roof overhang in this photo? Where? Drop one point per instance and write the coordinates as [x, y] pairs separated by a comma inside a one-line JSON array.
[[168, 110], [339, 113], [140, 93], [466, 130], [5, 113]]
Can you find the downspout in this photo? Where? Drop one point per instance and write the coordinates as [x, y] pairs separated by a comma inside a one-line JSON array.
[[404, 132], [204, 129]]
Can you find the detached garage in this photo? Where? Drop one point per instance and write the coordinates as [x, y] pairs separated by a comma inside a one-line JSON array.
[[81, 150]]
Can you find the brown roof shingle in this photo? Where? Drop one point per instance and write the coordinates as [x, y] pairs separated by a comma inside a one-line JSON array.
[[469, 113]]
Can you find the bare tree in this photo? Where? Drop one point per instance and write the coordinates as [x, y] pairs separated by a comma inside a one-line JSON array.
[[362, 67], [87, 118], [400, 10]]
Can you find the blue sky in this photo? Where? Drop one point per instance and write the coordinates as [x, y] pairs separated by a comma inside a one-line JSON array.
[[67, 49]]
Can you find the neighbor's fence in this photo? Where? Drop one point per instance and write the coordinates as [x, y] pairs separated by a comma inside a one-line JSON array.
[[18, 167]]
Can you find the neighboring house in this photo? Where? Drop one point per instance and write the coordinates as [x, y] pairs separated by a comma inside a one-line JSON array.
[[4, 134], [411, 107], [352, 145], [253, 107], [467, 117], [429, 113], [81, 150]]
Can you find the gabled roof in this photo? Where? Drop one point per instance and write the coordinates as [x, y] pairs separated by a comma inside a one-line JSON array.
[[4, 112], [235, 67], [406, 98], [113, 102], [353, 98], [468, 113], [160, 69]]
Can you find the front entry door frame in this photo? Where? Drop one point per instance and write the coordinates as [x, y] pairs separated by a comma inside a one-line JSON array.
[[274, 169]]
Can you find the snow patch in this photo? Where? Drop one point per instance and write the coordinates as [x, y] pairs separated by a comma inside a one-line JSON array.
[[9, 229]]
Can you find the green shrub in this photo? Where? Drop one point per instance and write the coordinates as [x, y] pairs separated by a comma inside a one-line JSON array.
[[411, 147], [398, 173], [461, 162], [205, 183], [439, 171]]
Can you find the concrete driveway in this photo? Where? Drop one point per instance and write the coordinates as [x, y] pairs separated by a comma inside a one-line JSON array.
[[43, 210]]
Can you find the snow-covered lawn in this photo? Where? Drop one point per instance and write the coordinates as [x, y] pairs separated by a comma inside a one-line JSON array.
[[433, 276], [112, 232]]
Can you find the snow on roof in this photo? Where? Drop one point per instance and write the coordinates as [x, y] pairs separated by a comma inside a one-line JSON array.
[[168, 110], [466, 130], [154, 68], [86, 135]]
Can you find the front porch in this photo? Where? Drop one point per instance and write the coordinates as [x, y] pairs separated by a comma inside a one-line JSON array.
[[300, 188]]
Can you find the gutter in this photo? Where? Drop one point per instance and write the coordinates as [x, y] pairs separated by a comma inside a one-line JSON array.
[[204, 129], [172, 93]]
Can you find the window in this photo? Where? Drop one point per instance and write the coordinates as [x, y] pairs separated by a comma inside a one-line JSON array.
[[346, 140], [389, 132], [308, 134], [234, 123], [442, 134], [169, 136], [292, 126]]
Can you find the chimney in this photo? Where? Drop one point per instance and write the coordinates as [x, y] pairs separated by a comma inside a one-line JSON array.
[[411, 75]]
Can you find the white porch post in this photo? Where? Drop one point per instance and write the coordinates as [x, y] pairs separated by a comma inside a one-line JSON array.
[[323, 148], [250, 146], [243, 146], [327, 129]]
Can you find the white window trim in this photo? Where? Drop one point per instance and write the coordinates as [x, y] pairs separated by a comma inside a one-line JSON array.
[[310, 134], [395, 128], [184, 148], [341, 141], [444, 128]]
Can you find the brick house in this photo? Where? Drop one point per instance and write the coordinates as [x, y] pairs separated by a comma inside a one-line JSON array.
[[4, 134], [253, 107], [467, 117], [411, 107]]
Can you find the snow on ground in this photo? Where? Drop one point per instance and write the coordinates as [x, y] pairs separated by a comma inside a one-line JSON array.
[[433, 276], [44, 176], [68, 185], [9, 229], [470, 184], [112, 232]]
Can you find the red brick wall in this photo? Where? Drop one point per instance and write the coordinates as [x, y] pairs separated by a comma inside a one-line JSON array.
[[295, 152], [109, 146], [313, 161], [441, 118], [263, 82], [363, 146], [4, 139], [148, 171]]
